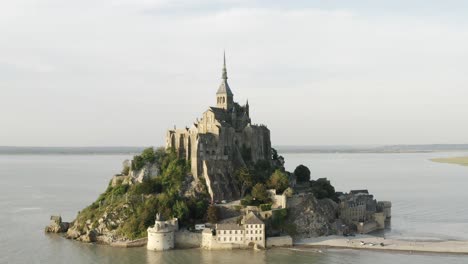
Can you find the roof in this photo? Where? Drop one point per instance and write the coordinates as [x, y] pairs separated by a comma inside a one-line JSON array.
[[359, 191], [229, 227], [220, 113], [224, 88], [251, 218]]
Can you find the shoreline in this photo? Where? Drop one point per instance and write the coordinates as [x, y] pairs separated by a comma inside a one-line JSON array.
[[367, 242], [371, 243]]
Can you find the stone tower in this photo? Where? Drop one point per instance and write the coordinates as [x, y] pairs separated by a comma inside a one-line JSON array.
[[224, 96]]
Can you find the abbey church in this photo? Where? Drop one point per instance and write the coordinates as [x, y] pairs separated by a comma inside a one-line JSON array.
[[222, 141]]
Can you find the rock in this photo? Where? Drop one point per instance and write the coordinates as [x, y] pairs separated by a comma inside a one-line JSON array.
[[311, 217], [73, 234], [150, 170], [56, 225], [90, 236]]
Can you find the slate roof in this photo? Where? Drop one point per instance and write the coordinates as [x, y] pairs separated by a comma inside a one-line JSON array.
[[251, 218], [229, 227], [224, 88], [220, 113]]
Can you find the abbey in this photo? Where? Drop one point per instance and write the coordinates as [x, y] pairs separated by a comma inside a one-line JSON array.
[[222, 141]]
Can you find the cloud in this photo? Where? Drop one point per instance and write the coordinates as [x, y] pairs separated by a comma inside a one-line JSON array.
[[327, 75]]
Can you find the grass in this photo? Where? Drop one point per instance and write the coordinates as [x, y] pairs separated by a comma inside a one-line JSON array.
[[453, 160]]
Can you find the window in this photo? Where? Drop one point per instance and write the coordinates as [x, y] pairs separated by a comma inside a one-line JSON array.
[[260, 238], [235, 232], [224, 239], [230, 232]]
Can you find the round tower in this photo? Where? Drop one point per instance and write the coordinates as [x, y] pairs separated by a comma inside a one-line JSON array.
[[161, 236]]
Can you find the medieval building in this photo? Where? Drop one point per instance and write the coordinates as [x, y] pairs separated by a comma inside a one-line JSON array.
[[223, 140]]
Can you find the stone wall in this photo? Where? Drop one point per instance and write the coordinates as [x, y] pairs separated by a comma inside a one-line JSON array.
[[282, 241], [185, 239], [209, 242]]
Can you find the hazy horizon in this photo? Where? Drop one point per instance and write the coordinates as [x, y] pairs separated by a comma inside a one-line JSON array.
[[120, 73]]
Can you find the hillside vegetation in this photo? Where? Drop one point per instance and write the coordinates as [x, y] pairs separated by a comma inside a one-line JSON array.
[[125, 211]]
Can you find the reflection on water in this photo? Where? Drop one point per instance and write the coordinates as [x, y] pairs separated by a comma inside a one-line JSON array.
[[426, 204]]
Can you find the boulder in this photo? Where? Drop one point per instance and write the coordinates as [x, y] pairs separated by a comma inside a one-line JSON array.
[[73, 234]]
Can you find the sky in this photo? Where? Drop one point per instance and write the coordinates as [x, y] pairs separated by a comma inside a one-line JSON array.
[[122, 72]]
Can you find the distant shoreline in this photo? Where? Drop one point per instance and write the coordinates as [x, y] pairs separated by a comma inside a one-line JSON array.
[[116, 150]]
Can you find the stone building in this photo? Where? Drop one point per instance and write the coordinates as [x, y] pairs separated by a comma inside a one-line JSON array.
[[251, 232], [161, 236], [254, 230], [223, 140], [359, 208]]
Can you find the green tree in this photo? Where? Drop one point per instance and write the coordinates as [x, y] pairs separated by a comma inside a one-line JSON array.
[[302, 173], [180, 210], [278, 181], [260, 193], [212, 214], [148, 155], [245, 178], [322, 188]]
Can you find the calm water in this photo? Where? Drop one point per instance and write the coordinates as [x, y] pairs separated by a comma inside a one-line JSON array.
[[428, 202]]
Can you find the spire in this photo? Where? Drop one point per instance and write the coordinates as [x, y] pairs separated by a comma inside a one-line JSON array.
[[224, 77]]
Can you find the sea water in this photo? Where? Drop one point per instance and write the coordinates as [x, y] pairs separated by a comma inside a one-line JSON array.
[[428, 203]]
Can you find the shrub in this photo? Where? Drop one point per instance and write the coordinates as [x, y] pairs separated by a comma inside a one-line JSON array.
[[302, 173], [265, 207], [322, 188], [278, 181], [212, 214], [120, 190], [260, 194]]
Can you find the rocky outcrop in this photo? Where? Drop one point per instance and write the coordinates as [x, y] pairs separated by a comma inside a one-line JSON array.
[[310, 216], [56, 225], [102, 231], [150, 170], [60, 228]]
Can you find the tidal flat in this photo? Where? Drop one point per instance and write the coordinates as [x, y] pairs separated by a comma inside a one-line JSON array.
[[453, 160]]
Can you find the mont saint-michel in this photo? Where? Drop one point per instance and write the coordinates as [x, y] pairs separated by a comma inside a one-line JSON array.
[[218, 184]]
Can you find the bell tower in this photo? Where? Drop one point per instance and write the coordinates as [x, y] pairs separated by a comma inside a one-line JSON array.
[[224, 96]]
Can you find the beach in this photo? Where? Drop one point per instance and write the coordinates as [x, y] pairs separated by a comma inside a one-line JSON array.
[[369, 242]]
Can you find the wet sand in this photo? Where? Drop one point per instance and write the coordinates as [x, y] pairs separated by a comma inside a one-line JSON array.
[[375, 243]]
